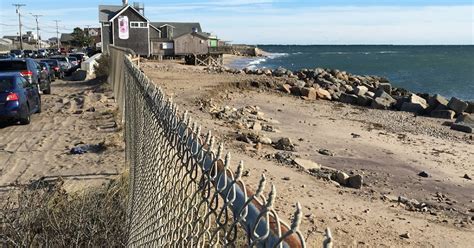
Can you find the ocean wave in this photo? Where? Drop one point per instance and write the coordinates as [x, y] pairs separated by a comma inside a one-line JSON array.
[[257, 61], [276, 55], [362, 52]]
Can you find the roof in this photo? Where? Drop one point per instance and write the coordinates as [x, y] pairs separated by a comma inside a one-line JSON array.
[[180, 28], [125, 8], [106, 12], [66, 37]]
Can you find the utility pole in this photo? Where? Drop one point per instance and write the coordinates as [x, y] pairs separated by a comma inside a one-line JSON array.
[[18, 6], [38, 44], [57, 34]]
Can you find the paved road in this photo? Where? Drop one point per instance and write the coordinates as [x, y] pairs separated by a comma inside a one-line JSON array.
[[41, 149]]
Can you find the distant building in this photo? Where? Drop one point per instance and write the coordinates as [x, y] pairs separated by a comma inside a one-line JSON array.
[[125, 26], [66, 39], [95, 33]]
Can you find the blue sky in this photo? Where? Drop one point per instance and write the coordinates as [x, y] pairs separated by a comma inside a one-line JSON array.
[[278, 21]]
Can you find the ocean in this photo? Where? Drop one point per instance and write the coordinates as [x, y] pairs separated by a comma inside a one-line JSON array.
[[445, 70]]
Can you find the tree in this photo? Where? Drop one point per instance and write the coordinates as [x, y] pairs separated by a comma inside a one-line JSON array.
[[80, 38]]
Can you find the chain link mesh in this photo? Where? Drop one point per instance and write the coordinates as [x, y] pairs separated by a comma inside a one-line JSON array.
[[183, 192]]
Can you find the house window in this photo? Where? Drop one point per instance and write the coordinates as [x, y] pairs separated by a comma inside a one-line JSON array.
[[138, 25], [167, 45]]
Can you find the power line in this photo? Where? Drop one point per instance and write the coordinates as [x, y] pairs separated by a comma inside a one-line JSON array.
[[18, 6], [38, 41], [57, 33]]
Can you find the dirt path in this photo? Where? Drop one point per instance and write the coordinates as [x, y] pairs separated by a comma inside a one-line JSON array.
[[388, 148], [75, 114]]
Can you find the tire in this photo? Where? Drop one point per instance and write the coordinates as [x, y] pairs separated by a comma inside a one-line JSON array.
[[25, 120], [48, 90], [39, 106]]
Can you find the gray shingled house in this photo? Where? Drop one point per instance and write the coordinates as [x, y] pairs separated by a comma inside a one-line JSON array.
[[126, 26]]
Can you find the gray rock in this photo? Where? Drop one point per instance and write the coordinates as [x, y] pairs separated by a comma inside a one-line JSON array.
[[296, 91], [325, 152], [280, 72], [437, 100], [364, 101], [387, 87], [418, 100], [300, 83], [462, 127], [382, 103], [341, 177], [413, 107], [370, 94], [470, 108], [348, 98], [307, 164], [457, 105], [360, 90], [381, 93], [466, 118], [264, 140], [443, 114], [355, 181], [285, 144]]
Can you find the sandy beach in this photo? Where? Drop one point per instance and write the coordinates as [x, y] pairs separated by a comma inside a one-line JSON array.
[[395, 207]]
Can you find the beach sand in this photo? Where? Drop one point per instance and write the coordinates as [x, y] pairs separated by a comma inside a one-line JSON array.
[[387, 148]]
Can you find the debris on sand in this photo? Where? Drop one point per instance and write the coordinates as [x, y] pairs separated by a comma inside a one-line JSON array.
[[285, 144], [81, 149]]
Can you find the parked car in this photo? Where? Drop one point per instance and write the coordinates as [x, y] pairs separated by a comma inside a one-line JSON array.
[[42, 53], [62, 50], [30, 70], [5, 56], [28, 53], [45, 67], [19, 99], [73, 61], [18, 53], [81, 57], [64, 62], [55, 66]]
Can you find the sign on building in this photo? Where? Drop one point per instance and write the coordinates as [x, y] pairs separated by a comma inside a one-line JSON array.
[[123, 27]]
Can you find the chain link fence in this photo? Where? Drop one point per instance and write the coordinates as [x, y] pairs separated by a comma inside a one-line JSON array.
[[183, 191]]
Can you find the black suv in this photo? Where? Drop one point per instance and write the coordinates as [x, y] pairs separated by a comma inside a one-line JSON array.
[[30, 70]]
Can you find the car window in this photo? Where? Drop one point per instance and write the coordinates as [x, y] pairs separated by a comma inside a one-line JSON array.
[[23, 82], [6, 84], [12, 65]]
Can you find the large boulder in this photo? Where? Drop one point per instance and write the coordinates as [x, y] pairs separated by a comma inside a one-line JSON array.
[[437, 100], [382, 103], [309, 93], [360, 90], [280, 72], [443, 114], [323, 94], [296, 91], [415, 104], [381, 93], [470, 107], [307, 164], [457, 105], [387, 87], [364, 100], [464, 123], [348, 98]]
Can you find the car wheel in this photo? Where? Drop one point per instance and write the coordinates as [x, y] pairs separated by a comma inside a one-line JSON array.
[[26, 119], [47, 91], [39, 106]]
